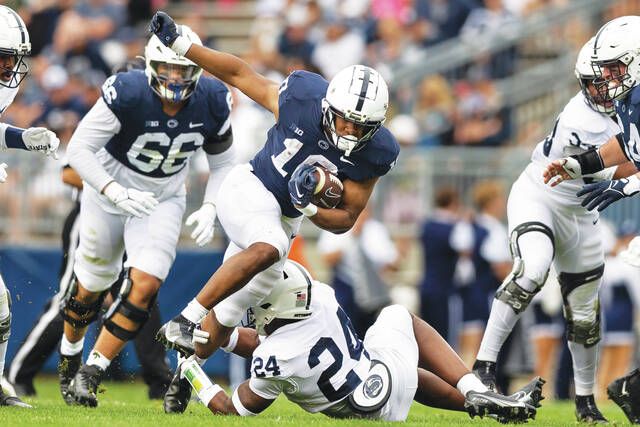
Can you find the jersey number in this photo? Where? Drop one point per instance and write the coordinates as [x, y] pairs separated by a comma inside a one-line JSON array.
[[147, 159], [328, 344], [548, 141], [291, 148], [260, 369]]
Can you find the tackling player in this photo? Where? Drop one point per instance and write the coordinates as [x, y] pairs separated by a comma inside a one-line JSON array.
[[305, 347], [335, 124], [547, 225], [132, 150], [14, 46]]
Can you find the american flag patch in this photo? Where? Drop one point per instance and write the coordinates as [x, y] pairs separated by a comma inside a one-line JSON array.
[[301, 299]]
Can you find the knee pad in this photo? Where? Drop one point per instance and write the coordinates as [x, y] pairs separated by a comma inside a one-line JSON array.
[[581, 328], [124, 307], [87, 313], [511, 292], [5, 324]]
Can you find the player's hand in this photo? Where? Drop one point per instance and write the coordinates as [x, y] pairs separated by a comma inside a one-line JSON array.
[[302, 185], [41, 140], [561, 170], [132, 201], [602, 194], [200, 336], [204, 219], [3, 172], [163, 26]]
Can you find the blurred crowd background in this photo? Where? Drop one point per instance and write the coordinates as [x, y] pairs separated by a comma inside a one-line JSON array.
[[475, 84]]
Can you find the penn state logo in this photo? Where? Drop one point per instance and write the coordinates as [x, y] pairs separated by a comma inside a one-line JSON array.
[[323, 144], [373, 386], [172, 123]]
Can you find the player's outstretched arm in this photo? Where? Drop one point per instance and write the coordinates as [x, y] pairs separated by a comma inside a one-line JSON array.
[[228, 68], [31, 139]]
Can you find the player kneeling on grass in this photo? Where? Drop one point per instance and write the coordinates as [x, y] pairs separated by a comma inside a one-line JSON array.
[[305, 347]]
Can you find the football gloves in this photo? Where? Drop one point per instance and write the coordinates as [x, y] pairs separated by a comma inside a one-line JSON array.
[[41, 140], [129, 200], [302, 184], [204, 220], [3, 172], [602, 194]]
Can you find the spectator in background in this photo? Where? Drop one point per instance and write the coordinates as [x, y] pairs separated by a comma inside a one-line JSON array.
[[444, 240], [359, 259], [340, 47], [434, 111], [491, 262], [59, 94], [439, 20], [294, 40], [619, 296]]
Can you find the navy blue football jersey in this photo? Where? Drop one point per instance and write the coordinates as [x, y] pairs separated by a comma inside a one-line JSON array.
[[628, 111], [298, 138], [153, 143]]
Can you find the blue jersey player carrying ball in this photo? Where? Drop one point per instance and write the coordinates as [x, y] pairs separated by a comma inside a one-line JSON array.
[[335, 124]]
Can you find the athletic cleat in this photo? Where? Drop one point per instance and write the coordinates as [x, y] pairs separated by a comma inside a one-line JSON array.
[[67, 369], [531, 393], [588, 412], [178, 395], [625, 392], [177, 334], [84, 386], [6, 400], [486, 371], [501, 408]]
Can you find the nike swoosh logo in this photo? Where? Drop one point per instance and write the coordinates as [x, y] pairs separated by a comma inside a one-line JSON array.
[[195, 125], [330, 193], [298, 192], [344, 159]]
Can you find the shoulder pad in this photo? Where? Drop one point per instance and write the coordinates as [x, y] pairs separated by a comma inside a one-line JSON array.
[[122, 91], [579, 117], [218, 97], [385, 150], [303, 85]]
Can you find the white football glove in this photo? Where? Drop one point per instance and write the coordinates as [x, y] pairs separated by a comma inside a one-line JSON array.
[[135, 202], [41, 140], [205, 219], [200, 336], [3, 172], [631, 255]]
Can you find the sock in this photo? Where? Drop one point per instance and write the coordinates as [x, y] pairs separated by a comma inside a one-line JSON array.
[[470, 382], [584, 367], [500, 324], [68, 348], [194, 311], [3, 354], [98, 359]]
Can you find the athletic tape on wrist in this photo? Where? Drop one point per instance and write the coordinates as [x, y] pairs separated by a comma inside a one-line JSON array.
[[181, 45], [309, 210]]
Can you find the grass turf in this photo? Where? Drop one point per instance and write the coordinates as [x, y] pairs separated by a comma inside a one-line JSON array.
[[126, 404]]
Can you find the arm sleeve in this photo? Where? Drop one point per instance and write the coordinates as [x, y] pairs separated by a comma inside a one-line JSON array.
[[11, 137], [219, 167], [267, 388], [94, 131]]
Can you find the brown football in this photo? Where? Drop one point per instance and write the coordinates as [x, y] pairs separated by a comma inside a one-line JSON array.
[[328, 192]]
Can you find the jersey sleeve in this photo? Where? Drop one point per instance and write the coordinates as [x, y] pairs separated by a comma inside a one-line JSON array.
[[220, 105], [267, 388], [121, 92], [300, 86], [387, 155]]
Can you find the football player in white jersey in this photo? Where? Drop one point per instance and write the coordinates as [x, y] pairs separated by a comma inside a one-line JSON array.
[[548, 225], [14, 46], [305, 347], [132, 151]]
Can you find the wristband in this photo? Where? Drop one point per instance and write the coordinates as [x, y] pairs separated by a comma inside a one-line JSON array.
[[233, 341], [242, 411], [309, 210], [13, 138], [181, 45], [590, 162]]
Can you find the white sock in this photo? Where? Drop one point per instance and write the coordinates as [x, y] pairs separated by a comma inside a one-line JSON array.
[[470, 382], [500, 324], [194, 311], [68, 348], [585, 361], [98, 359]]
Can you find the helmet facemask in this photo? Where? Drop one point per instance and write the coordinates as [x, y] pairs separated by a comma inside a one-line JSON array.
[[173, 82], [13, 68], [614, 81], [364, 130]]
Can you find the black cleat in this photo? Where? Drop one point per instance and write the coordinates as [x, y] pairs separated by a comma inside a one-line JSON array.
[[177, 334], [625, 392], [486, 371], [178, 395], [84, 386], [588, 412], [501, 408], [67, 369], [25, 389], [531, 393], [6, 400]]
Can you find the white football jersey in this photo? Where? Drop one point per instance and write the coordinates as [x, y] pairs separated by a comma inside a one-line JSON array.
[[7, 95], [316, 362], [577, 129]]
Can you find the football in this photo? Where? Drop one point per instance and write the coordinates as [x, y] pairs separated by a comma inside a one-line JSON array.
[[328, 193]]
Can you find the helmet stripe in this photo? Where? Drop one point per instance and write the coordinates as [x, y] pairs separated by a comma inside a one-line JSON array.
[[19, 22], [595, 43], [363, 89]]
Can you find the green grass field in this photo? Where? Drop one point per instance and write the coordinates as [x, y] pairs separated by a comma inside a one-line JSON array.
[[125, 404]]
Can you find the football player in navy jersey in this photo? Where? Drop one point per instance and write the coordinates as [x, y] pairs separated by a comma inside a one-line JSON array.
[[14, 46], [335, 124], [132, 151]]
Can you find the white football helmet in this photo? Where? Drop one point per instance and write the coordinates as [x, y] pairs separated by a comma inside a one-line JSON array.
[[359, 95], [586, 75], [14, 43], [170, 75], [290, 298], [617, 49]]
